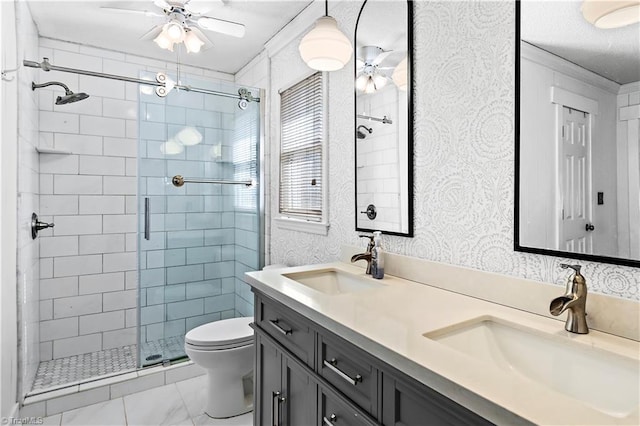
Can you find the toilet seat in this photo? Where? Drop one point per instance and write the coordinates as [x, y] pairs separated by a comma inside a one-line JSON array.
[[219, 335]]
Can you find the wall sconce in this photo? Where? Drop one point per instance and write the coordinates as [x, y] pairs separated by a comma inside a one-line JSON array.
[[612, 13], [325, 47]]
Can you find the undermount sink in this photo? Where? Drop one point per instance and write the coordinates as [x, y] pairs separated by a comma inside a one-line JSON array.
[[606, 381], [333, 281]]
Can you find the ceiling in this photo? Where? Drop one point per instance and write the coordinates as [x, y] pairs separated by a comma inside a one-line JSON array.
[[87, 23], [559, 27]]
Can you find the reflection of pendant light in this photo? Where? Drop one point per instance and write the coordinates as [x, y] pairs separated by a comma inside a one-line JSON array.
[[325, 47], [399, 75], [611, 13]]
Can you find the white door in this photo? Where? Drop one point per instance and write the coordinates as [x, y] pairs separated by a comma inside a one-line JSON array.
[[575, 226]]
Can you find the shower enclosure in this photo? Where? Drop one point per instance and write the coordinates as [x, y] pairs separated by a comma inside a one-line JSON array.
[[192, 239], [196, 239]]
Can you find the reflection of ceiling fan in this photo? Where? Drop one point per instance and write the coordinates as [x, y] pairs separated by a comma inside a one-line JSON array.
[[183, 25], [370, 76]]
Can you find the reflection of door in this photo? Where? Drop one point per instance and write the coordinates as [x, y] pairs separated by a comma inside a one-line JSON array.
[[575, 182]]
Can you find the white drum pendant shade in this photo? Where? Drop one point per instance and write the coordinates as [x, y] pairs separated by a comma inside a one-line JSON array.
[[325, 47], [611, 13]]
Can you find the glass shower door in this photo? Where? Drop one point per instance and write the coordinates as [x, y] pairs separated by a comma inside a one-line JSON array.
[[197, 240]]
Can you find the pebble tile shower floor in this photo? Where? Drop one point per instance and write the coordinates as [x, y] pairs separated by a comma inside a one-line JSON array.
[[79, 368]]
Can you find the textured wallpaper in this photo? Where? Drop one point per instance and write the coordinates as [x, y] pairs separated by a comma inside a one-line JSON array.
[[464, 151]]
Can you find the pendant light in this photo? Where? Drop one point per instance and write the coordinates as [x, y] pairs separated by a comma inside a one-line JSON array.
[[611, 13], [325, 47], [399, 75]]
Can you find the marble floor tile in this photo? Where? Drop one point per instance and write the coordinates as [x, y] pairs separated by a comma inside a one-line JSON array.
[[159, 406], [243, 420], [103, 413], [194, 392], [52, 420]]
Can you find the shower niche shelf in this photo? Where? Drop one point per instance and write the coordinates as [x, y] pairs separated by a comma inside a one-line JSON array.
[[53, 151]]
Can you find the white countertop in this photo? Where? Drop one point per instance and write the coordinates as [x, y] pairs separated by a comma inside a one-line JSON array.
[[389, 322]]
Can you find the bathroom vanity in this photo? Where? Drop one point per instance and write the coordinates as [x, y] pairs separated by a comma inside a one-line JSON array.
[[306, 375], [360, 351]]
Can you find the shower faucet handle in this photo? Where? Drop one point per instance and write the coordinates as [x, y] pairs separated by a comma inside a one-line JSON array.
[[36, 225]]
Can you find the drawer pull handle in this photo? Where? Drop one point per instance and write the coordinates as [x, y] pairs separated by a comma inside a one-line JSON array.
[[331, 365], [284, 331], [329, 422]]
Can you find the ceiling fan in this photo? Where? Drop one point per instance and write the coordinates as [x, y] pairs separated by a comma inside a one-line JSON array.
[[369, 72], [183, 22]]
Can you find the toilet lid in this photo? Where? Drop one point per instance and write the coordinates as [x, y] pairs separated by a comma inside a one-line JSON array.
[[224, 332]]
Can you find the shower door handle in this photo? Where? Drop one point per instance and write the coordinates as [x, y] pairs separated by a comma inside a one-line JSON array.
[[147, 219]]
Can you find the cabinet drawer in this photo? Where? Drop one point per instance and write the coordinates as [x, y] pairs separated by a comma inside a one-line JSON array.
[[350, 371], [336, 412], [287, 327]]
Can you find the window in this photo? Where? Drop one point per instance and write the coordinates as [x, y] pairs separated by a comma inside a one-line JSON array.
[[302, 134]]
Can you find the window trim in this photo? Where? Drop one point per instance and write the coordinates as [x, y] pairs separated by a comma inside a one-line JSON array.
[[298, 222]]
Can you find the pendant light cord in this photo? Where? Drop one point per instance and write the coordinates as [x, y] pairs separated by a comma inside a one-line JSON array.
[[326, 7]]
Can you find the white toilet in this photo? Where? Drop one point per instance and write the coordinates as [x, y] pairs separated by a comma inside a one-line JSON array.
[[225, 349]]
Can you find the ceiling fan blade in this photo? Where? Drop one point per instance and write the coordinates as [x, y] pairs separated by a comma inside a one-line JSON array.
[[200, 7], [152, 33], [207, 43], [381, 57], [133, 11], [233, 29], [162, 4]]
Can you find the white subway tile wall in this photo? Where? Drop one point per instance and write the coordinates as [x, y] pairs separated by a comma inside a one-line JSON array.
[[378, 162], [193, 264]]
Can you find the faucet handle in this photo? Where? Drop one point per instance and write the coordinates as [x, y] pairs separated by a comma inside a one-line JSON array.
[[370, 237], [574, 267]]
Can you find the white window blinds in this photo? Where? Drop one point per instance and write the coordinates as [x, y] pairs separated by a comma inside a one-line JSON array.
[[302, 131]]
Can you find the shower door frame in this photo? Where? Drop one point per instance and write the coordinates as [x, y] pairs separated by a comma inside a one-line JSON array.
[[261, 200]]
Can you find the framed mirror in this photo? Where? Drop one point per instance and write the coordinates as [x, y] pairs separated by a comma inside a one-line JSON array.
[[577, 135], [383, 121]]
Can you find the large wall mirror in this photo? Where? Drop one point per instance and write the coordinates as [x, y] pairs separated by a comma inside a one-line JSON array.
[[383, 129], [577, 135]]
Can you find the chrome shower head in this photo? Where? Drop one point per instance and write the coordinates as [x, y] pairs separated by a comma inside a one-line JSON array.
[[360, 134], [68, 98], [71, 98]]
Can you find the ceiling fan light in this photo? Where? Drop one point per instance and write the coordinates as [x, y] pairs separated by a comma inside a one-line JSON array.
[[171, 147], [192, 42], [370, 86], [611, 14], [399, 75], [325, 47], [174, 31], [189, 136], [361, 82], [164, 41], [379, 80]]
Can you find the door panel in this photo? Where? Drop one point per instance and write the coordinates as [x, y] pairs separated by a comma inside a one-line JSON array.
[[575, 182]]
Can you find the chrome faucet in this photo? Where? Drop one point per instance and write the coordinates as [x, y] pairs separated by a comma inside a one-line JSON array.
[[366, 255], [574, 300]]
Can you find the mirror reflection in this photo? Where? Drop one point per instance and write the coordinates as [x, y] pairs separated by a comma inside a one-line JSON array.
[[383, 128], [579, 156]]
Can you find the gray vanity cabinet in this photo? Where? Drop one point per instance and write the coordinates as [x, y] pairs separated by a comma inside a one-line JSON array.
[[307, 376], [407, 402], [286, 393]]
